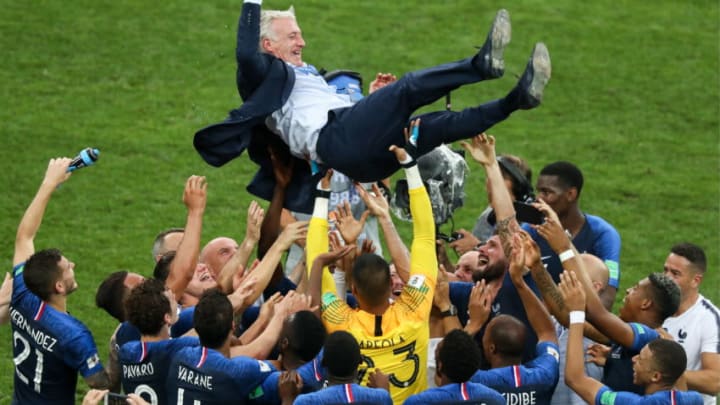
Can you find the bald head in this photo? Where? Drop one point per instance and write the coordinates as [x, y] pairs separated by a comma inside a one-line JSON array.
[[217, 252], [597, 270]]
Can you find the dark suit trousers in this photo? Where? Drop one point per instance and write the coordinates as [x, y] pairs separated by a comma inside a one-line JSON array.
[[356, 139]]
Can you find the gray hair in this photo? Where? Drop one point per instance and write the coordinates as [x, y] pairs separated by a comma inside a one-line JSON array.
[[159, 248], [266, 19]]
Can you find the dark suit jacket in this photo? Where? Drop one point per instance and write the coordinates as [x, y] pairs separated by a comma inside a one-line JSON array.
[[264, 83]]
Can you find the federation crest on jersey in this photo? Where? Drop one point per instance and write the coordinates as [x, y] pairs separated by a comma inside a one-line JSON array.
[[416, 281], [551, 351], [93, 361], [264, 367]]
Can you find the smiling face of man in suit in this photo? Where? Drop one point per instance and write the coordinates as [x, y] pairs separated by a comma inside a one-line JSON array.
[[285, 41]]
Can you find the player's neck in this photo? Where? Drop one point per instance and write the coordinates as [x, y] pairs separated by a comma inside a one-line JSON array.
[[164, 334], [573, 220], [648, 317], [496, 283], [655, 387], [377, 310], [224, 349], [187, 300], [687, 302], [290, 362], [59, 302], [498, 362], [444, 380], [334, 380]]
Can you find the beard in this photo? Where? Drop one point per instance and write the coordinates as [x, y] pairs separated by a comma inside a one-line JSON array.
[[492, 272], [70, 286]]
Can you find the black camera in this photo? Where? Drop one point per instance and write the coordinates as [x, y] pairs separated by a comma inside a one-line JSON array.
[[450, 238]]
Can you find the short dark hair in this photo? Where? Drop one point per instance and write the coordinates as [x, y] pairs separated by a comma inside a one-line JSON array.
[[371, 278], [146, 306], [162, 267], [665, 295], [459, 356], [567, 173], [693, 253], [342, 354], [508, 335], [213, 318], [669, 358], [111, 293], [159, 241], [519, 173], [306, 334], [42, 271]]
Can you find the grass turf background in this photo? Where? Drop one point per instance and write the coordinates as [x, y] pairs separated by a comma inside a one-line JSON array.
[[634, 101]]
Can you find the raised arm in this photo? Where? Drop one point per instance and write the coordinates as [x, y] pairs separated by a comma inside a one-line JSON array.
[[239, 260], [267, 310], [317, 241], [441, 301], [550, 292], [282, 166], [55, 175], [379, 207], [482, 149], [575, 377], [319, 266], [536, 312], [423, 259], [605, 321], [183, 266], [5, 296], [251, 65], [264, 271], [262, 346]]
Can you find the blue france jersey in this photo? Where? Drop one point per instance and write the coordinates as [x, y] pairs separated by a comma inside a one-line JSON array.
[[470, 393], [345, 394], [605, 396], [49, 349], [129, 333], [506, 302], [313, 376], [596, 237], [530, 383], [145, 366], [618, 371], [205, 375]]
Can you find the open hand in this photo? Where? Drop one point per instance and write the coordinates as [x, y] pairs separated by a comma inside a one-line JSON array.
[[289, 384], [255, 217], [374, 200], [482, 148], [480, 305], [378, 379], [466, 243], [598, 354], [349, 227], [381, 80], [572, 291], [195, 193], [291, 233]]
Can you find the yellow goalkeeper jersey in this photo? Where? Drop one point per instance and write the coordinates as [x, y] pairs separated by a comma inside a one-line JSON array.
[[397, 341]]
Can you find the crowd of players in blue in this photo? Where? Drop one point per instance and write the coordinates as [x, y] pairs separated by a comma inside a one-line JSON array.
[[524, 316], [509, 354]]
